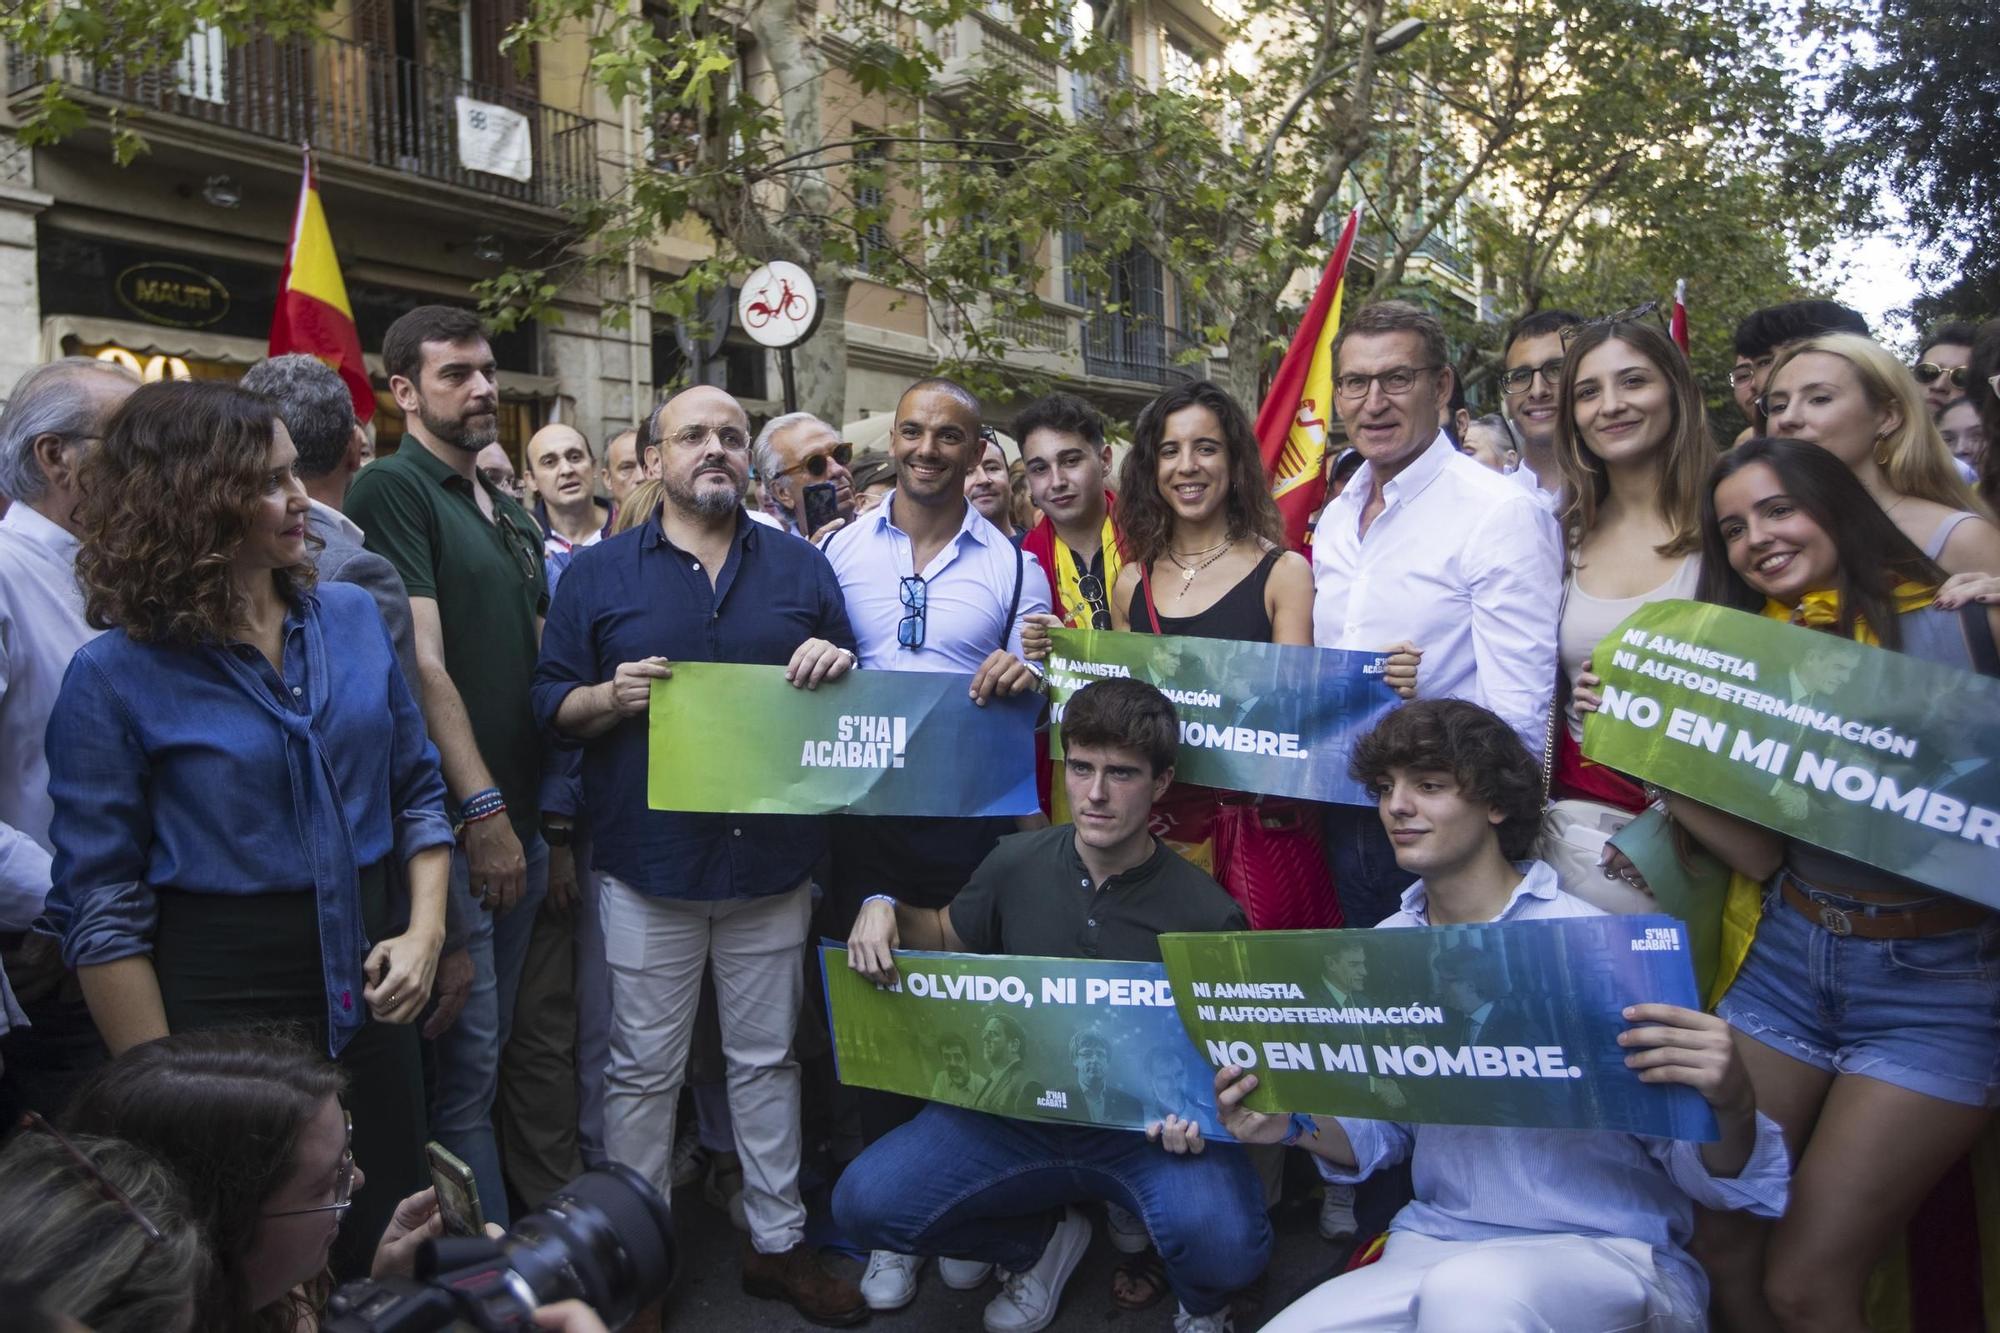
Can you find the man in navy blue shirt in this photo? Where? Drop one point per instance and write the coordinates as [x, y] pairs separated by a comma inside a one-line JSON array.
[[698, 581]]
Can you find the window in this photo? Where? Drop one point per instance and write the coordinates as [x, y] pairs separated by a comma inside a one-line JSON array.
[[1180, 68], [870, 202]]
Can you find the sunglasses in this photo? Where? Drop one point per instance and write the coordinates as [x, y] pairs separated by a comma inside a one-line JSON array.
[[109, 1192], [1637, 312], [343, 1179], [1930, 373], [1092, 588], [910, 629], [816, 465]]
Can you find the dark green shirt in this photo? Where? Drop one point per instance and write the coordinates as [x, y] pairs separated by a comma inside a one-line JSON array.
[[1032, 895], [486, 578]]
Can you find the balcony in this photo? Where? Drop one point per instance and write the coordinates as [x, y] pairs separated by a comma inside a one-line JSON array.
[[978, 41], [355, 104], [1128, 347]]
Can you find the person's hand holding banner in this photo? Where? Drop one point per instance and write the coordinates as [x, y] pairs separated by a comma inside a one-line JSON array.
[[871, 945], [1695, 1049], [816, 661], [1178, 1136], [1035, 641], [1001, 674], [632, 685], [1399, 672]]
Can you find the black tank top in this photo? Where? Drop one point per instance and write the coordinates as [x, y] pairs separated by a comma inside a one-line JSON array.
[[1237, 614]]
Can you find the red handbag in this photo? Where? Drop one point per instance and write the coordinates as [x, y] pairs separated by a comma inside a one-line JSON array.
[[1267, 852]]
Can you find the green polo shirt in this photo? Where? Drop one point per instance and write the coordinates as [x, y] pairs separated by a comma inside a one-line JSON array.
[[486, 578]]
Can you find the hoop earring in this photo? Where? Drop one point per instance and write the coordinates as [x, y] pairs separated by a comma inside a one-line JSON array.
[[1881, 455]]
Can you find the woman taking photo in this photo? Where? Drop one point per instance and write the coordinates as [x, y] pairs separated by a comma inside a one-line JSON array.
[[1874, 1046], [241, 780], [1846, 394], [1634, 450]]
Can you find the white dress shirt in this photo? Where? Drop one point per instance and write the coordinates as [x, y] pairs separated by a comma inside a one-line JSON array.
[[1524, 477], [41, 627], [967, 587], [1461, 562]]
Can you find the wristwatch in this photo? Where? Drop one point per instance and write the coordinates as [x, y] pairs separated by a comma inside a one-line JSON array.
[[558, 835]]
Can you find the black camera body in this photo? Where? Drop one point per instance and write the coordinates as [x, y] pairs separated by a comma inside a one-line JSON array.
[[605, 1239]]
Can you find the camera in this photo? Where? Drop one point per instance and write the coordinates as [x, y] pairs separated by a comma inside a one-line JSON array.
[[605, 1239]]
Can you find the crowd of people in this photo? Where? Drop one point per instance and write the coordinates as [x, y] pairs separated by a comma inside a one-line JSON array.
[[324, 829]]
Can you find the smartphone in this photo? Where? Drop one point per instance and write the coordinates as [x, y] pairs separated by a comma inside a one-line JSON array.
[[457, 1192], [821, 507]]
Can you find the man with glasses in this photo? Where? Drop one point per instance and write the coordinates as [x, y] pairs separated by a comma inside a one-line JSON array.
[[930, 586], [54, 418], [1945, 368], [1530, 387], [685, 893], [1763, 334], [795, 451], [1427, 551]]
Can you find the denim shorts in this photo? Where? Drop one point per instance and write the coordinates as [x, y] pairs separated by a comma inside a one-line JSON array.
[[1921, 1014]]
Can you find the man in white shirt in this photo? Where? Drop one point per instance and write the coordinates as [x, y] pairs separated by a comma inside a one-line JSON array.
[[53, 417], [1531, 384], [1429, 551]]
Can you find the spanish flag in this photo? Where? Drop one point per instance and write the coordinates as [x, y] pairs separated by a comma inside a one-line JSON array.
[[313, 314], [1292, 426]]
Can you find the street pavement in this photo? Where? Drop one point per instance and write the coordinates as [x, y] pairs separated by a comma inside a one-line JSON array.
[[707, 1297]]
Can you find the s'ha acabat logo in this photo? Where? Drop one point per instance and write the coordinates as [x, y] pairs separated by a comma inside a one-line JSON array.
[[861, 740]]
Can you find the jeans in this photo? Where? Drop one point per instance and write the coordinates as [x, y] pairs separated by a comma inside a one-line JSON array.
[[967, 1185], [468, 1054], [1365, 875]]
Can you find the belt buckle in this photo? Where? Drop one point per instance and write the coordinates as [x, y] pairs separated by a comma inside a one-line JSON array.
[[1835, 920]]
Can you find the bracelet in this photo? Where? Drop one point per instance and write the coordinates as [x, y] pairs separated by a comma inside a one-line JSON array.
[[879, 898], [1303, 1126], [481, 805]]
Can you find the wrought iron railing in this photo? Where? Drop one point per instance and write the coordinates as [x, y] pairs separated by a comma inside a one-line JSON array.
[[1122, 346], [349, 100]]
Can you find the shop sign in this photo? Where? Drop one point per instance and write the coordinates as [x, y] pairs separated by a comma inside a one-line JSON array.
[[173, 294]]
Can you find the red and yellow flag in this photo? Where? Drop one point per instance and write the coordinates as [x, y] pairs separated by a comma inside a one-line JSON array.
[[1292, 425], [313, 314]]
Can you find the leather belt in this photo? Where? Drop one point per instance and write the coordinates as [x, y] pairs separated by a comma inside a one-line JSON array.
[[1888, 923]]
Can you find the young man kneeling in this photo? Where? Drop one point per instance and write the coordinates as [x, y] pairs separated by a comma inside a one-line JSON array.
[[979, 1187], [1517, 1229]]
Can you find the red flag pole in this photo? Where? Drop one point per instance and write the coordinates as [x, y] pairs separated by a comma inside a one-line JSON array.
[[1679, 328]]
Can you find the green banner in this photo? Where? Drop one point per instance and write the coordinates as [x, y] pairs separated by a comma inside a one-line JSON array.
[[1497, 1024], [1886, 758], [1068, 1040], [1278, 719], [738, 739]]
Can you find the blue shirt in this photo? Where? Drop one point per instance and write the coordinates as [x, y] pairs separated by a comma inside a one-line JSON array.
[[203, 770], [637, 595], [1483, 1182], [968, 587]]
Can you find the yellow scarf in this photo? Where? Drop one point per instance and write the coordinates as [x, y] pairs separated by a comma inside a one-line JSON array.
[[1821, 610], [1069, 577], [1744, 903]]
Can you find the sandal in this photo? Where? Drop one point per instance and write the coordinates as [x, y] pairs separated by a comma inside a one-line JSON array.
[[1145, 1275]]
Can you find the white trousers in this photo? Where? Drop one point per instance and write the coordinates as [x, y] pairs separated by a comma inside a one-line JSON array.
[[1545, 1284], [657, 948]]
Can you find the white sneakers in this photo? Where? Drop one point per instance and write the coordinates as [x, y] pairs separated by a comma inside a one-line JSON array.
[[1128, 1231], [1219, 1322], [1336, 1213], [964, 1274], [891, 1280], [1027, 1301]]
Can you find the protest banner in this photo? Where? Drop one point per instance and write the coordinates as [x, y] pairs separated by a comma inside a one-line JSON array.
[[1885, 758], [1277, 719], [741, 740], [1510, 1024], [1073, 1041]]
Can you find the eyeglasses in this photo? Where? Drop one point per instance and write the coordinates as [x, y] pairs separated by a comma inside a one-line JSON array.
[[1928, 372], [1395, 383], [1741, 375], [1092, 588], [343, 1179], [1521, 378], [105, 1189], [910, 630], [1637, 312], [693, 437], [816, 465]]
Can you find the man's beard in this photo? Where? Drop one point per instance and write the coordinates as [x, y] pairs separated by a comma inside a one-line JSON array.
[[703, 503], [456, 433]]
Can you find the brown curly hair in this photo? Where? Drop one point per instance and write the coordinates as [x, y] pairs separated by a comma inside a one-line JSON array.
[[168, 498], [1146, 522], [1483, 753]]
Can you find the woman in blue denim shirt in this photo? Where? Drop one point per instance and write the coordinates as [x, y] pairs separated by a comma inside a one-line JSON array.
[[241, 780]]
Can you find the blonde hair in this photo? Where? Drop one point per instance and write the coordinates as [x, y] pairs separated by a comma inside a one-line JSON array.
[[640, 505], [1913, 456]]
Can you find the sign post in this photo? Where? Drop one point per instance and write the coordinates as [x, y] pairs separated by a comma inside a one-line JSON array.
[[779, 308]]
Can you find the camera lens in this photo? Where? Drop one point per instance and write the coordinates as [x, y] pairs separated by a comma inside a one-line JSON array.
[[605, 1239]]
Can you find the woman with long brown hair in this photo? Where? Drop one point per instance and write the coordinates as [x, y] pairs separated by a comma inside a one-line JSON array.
[[249, 819]]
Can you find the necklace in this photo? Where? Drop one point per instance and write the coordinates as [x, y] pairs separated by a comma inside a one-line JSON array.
[[1178, 556], [1189, 571]]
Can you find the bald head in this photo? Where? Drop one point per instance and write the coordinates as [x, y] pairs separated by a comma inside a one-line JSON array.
[[703, 438], [565, 474], [55, 412]]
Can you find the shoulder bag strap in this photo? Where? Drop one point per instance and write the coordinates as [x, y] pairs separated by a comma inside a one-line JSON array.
[[1146, 588], [1014, 606]]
